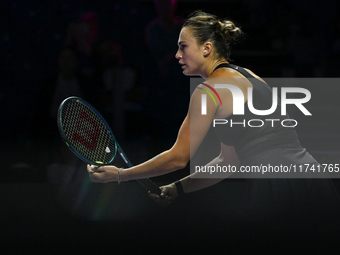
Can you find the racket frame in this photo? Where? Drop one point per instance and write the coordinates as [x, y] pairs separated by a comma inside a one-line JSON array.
[[146, 183], [69, 143]]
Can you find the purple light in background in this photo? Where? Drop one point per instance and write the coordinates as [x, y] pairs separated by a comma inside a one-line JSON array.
[[14, 5], [117, 7]]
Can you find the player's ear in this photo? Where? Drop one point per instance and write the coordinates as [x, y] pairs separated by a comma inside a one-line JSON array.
[[207, 48]]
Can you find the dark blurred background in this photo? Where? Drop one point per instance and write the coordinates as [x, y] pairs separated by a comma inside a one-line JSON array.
[[119, 56]]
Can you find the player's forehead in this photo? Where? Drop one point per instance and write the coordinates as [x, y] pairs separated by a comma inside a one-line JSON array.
[[186, 36]]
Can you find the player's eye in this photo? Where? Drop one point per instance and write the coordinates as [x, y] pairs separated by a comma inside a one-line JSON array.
[[182, 47]]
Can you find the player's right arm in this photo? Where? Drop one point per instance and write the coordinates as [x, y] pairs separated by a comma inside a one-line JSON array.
[[197, 181]]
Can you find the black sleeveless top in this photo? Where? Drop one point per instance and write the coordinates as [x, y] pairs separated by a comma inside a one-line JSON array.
[[292, 202], [240, 130]]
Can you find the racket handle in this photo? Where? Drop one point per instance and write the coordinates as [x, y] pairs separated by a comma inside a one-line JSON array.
[[150, 186], [146, 183]]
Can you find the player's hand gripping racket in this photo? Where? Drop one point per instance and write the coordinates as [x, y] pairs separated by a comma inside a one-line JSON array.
[[88, 135]]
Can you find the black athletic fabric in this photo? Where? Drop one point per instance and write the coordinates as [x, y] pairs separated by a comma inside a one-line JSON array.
[[283, 200], [250, 141]]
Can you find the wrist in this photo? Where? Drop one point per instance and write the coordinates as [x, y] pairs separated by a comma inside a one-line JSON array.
[[122, 175], [118, 175], [125, 175], [179, 187]]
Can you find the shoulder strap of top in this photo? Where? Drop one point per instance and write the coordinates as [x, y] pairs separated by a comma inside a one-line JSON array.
[[237, 68]]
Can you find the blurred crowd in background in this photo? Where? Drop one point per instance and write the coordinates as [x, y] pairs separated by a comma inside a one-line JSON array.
[[120, 56]]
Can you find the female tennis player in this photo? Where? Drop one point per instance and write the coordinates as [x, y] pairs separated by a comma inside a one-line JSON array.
[[204, 50]]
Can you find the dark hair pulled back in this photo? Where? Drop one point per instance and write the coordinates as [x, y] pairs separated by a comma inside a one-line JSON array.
[[208, 27]]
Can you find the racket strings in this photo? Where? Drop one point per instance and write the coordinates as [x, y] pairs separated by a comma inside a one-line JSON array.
[[87, 133]]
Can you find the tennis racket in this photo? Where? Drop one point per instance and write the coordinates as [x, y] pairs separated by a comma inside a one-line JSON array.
[[88, 136]]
